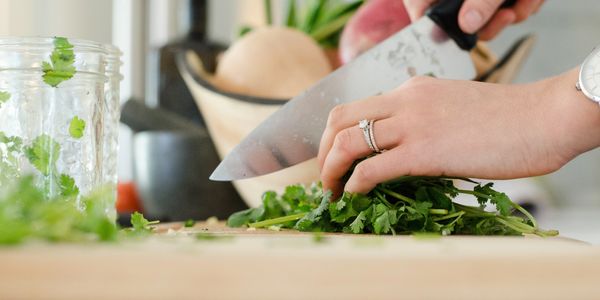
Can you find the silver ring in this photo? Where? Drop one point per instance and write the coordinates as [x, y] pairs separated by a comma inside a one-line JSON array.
[[367, 128], [372, 137]]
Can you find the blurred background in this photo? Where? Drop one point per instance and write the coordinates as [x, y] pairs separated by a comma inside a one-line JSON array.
[[151, 32]]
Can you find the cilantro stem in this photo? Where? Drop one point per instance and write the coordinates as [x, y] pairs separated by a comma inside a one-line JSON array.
[[526, 213], [474, 210], [515, 205], [450, 216], [382, 198], [517, 226], [398, 196], [275, 221], [474, 193], [438, 211]]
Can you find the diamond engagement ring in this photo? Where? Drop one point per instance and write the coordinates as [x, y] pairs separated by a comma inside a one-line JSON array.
[[367, 128]]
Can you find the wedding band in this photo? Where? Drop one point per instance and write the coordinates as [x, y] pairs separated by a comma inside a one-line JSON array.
[[367, 128], [372, 137]]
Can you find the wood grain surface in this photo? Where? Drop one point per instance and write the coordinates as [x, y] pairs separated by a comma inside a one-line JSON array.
[[240, 264]]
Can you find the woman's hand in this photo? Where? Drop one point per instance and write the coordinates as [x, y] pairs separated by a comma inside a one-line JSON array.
[[481, 16], [435, 127]]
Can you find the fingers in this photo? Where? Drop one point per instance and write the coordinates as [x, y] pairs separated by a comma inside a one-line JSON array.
[[348, 115], [349, 146], [501, 20], [474, 14], [481, 15], [417, 8], [524, 8], [377, 169], [504, 17]]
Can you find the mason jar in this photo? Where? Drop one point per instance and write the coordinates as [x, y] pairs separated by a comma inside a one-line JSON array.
[[59, 113]]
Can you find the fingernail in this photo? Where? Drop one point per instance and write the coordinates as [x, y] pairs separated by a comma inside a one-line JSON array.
[[473, 20]]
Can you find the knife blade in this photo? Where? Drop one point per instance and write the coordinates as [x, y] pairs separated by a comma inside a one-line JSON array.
[[434, 45]]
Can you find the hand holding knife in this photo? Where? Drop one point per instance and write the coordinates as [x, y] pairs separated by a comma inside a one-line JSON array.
[[435, 45]]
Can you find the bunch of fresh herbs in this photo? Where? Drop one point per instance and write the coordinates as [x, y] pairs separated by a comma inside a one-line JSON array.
[[408, 205]]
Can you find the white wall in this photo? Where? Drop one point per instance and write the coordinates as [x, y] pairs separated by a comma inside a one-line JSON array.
[[57, 17]]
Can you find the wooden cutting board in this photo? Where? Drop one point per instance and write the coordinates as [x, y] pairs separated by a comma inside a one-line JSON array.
[[263, 264]]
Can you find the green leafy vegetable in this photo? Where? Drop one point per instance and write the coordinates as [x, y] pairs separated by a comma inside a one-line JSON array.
[[140, 224], [67, 186], [410, 204], [313, 14], [25, 213], [60, 67], [291, 19], [9, 157], [268, 11], [4, 96], [43, 154], [322, 20], [76, 127], [189, 223], [244, 30]]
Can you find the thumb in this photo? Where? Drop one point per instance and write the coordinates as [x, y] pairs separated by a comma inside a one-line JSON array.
[[417, 8], [476, 13]]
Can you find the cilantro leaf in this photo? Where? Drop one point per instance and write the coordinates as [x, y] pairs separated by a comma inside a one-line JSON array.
[[311, 219], [43, 154], [272, 205], [60, 67], [502, 202], [189, 223], [383, 218], [76, 127], [10, 152], [67, 186], [4, 96], [358, 225], [140, 224], [246, 217]]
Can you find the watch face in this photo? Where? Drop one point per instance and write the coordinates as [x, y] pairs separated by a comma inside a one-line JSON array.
[[589, 77]]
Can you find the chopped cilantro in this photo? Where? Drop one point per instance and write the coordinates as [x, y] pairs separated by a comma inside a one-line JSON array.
[[43, 154], [140, 224], [189, 223], [4, 96], [76, 127], [26, 213], [60, 67], [67, 186]]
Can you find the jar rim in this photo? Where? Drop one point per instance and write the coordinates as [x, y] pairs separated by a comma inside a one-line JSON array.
[[80, 45], [41, 45]]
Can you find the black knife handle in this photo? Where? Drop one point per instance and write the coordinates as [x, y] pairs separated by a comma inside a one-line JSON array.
[[445, 15]]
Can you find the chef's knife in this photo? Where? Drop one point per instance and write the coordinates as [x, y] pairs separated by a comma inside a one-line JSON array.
[[434, 45]]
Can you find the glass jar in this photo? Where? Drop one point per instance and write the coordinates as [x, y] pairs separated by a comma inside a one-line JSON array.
[[59, 116]]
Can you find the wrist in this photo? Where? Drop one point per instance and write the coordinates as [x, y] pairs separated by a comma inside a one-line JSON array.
[[574, 120]]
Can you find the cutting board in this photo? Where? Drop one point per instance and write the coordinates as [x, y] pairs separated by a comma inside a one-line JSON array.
[[237, 263]]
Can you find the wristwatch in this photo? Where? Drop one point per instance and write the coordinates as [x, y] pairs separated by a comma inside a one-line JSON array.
[[589, 76]]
